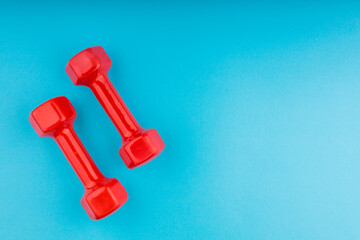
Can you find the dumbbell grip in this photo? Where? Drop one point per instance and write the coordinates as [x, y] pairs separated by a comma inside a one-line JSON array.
[[114, 106], [78, 157]]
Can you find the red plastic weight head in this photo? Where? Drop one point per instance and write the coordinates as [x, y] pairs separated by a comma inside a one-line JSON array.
[[54, 118], [84, 67], [90, 68]]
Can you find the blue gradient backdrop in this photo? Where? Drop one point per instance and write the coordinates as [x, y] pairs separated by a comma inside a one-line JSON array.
[[258, 104]]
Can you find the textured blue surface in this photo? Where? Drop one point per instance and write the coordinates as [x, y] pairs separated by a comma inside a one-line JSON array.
[[258, 105]]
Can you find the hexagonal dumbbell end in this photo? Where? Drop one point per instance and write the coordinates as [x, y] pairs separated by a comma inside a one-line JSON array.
[[52, 116], [55, 118], [84, 67], [104, 199], [90, 67], [141, 148]]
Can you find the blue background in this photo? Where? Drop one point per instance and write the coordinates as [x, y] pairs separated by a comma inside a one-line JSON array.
[[258, 105]]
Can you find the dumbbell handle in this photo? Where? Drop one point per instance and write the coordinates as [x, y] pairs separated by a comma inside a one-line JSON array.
[[114, 106], [78, 157]]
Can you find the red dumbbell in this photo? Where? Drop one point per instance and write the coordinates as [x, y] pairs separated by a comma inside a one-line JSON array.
[[90, 68], [55, 118]]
